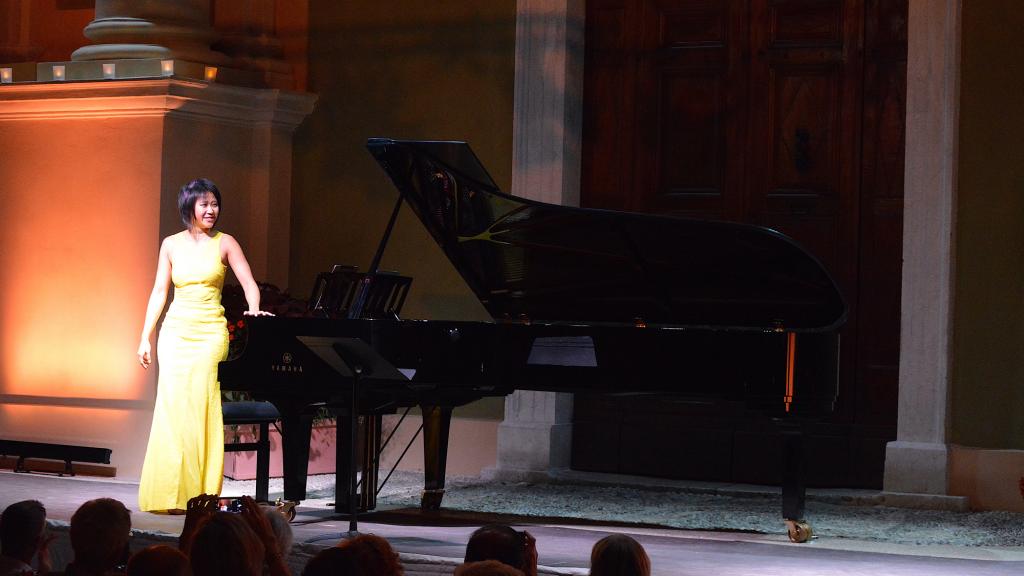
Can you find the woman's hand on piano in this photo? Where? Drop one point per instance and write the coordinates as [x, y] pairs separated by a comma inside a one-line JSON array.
[[256, 313], [145, 354]]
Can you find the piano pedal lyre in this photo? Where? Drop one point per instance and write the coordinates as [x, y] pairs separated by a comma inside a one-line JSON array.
[[799, 531]]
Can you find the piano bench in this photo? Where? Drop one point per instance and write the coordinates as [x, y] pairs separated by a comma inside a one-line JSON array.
[[263, 414]]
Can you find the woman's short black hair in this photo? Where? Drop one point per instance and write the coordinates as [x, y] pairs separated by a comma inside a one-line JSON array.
[[190, 193]]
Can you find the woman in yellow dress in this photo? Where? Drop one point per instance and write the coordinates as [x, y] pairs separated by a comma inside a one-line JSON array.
[[185, 456]]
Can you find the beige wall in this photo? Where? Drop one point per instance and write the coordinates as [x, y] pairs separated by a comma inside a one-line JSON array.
[[988, 368], [403, 69]]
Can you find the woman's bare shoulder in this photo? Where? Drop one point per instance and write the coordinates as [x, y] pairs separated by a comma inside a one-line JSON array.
[[227, 240], [171, 241]]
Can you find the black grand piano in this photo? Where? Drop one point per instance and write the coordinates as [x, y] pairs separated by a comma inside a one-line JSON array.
[[582, 300]]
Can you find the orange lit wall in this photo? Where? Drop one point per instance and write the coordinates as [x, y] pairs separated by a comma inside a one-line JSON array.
[[89, 174], [79, 199]]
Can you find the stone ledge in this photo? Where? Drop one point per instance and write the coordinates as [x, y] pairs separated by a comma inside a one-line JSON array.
[[848, 496], [925, 501]]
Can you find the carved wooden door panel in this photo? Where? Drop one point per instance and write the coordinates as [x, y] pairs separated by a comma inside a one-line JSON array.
[[754, 111], [691, 86], [805, 132]]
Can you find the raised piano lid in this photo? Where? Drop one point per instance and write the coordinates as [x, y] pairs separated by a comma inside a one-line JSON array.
[[549, 264]]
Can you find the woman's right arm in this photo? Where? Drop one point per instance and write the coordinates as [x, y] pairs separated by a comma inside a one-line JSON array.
[[157, 299]]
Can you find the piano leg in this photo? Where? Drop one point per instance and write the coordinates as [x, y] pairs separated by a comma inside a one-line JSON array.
[[367, 452], [296, 426], [794, 489], [346, 500], [437, 422]]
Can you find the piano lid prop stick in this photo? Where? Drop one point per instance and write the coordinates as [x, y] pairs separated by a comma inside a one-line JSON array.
[[359, 301]]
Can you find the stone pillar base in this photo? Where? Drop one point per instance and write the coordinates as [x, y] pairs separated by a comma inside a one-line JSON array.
[[531, 452], [917, 467], [160, 29], [535, 438], [147, 51]]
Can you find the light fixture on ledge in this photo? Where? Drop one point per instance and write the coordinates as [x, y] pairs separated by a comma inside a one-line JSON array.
[[167, 67], [210, 74], [58, 72], [6, 75], [109, 70]]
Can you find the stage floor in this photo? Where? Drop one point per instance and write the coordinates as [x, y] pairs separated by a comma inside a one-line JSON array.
[[432, 543]]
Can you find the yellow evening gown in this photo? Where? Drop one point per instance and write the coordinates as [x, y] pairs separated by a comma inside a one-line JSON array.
[[185, 456]]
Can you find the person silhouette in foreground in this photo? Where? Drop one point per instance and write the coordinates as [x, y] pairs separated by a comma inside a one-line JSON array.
[[504, 544], [23, 537], [100, 532], [486, 568], [366, 554], [227, 544], [619, 555], [159, 560], [331, 562]]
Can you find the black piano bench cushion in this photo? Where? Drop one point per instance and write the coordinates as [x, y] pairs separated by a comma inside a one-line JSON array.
[[249, 412]]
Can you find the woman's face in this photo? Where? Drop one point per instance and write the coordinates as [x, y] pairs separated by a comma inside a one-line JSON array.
[[206, 212]]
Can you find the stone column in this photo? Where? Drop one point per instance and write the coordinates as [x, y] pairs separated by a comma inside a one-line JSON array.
[[548, 107], [918, 461], [536, 436], [247, 30], [154, 29]]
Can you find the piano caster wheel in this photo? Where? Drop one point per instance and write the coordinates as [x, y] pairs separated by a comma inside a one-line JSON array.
[[286, 508], [799, 531], [430, 500]]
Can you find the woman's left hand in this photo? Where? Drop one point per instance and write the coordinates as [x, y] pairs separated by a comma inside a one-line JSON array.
[[256, 313]]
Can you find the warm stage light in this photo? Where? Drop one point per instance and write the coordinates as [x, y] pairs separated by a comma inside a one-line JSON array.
[[83, 426], [50, 349], [58, 72], [109, 70], [211, 73], [6, 75], [167, 67]]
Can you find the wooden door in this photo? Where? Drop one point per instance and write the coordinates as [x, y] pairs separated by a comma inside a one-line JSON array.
[[755, 111]]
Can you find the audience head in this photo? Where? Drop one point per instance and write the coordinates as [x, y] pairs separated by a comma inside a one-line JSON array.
[[372, 555], [21, 529], [159, 560], [619, 555], [282, 530], [486, 568], [225, 545], [100, 530], [332, 562], [504, 544]]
